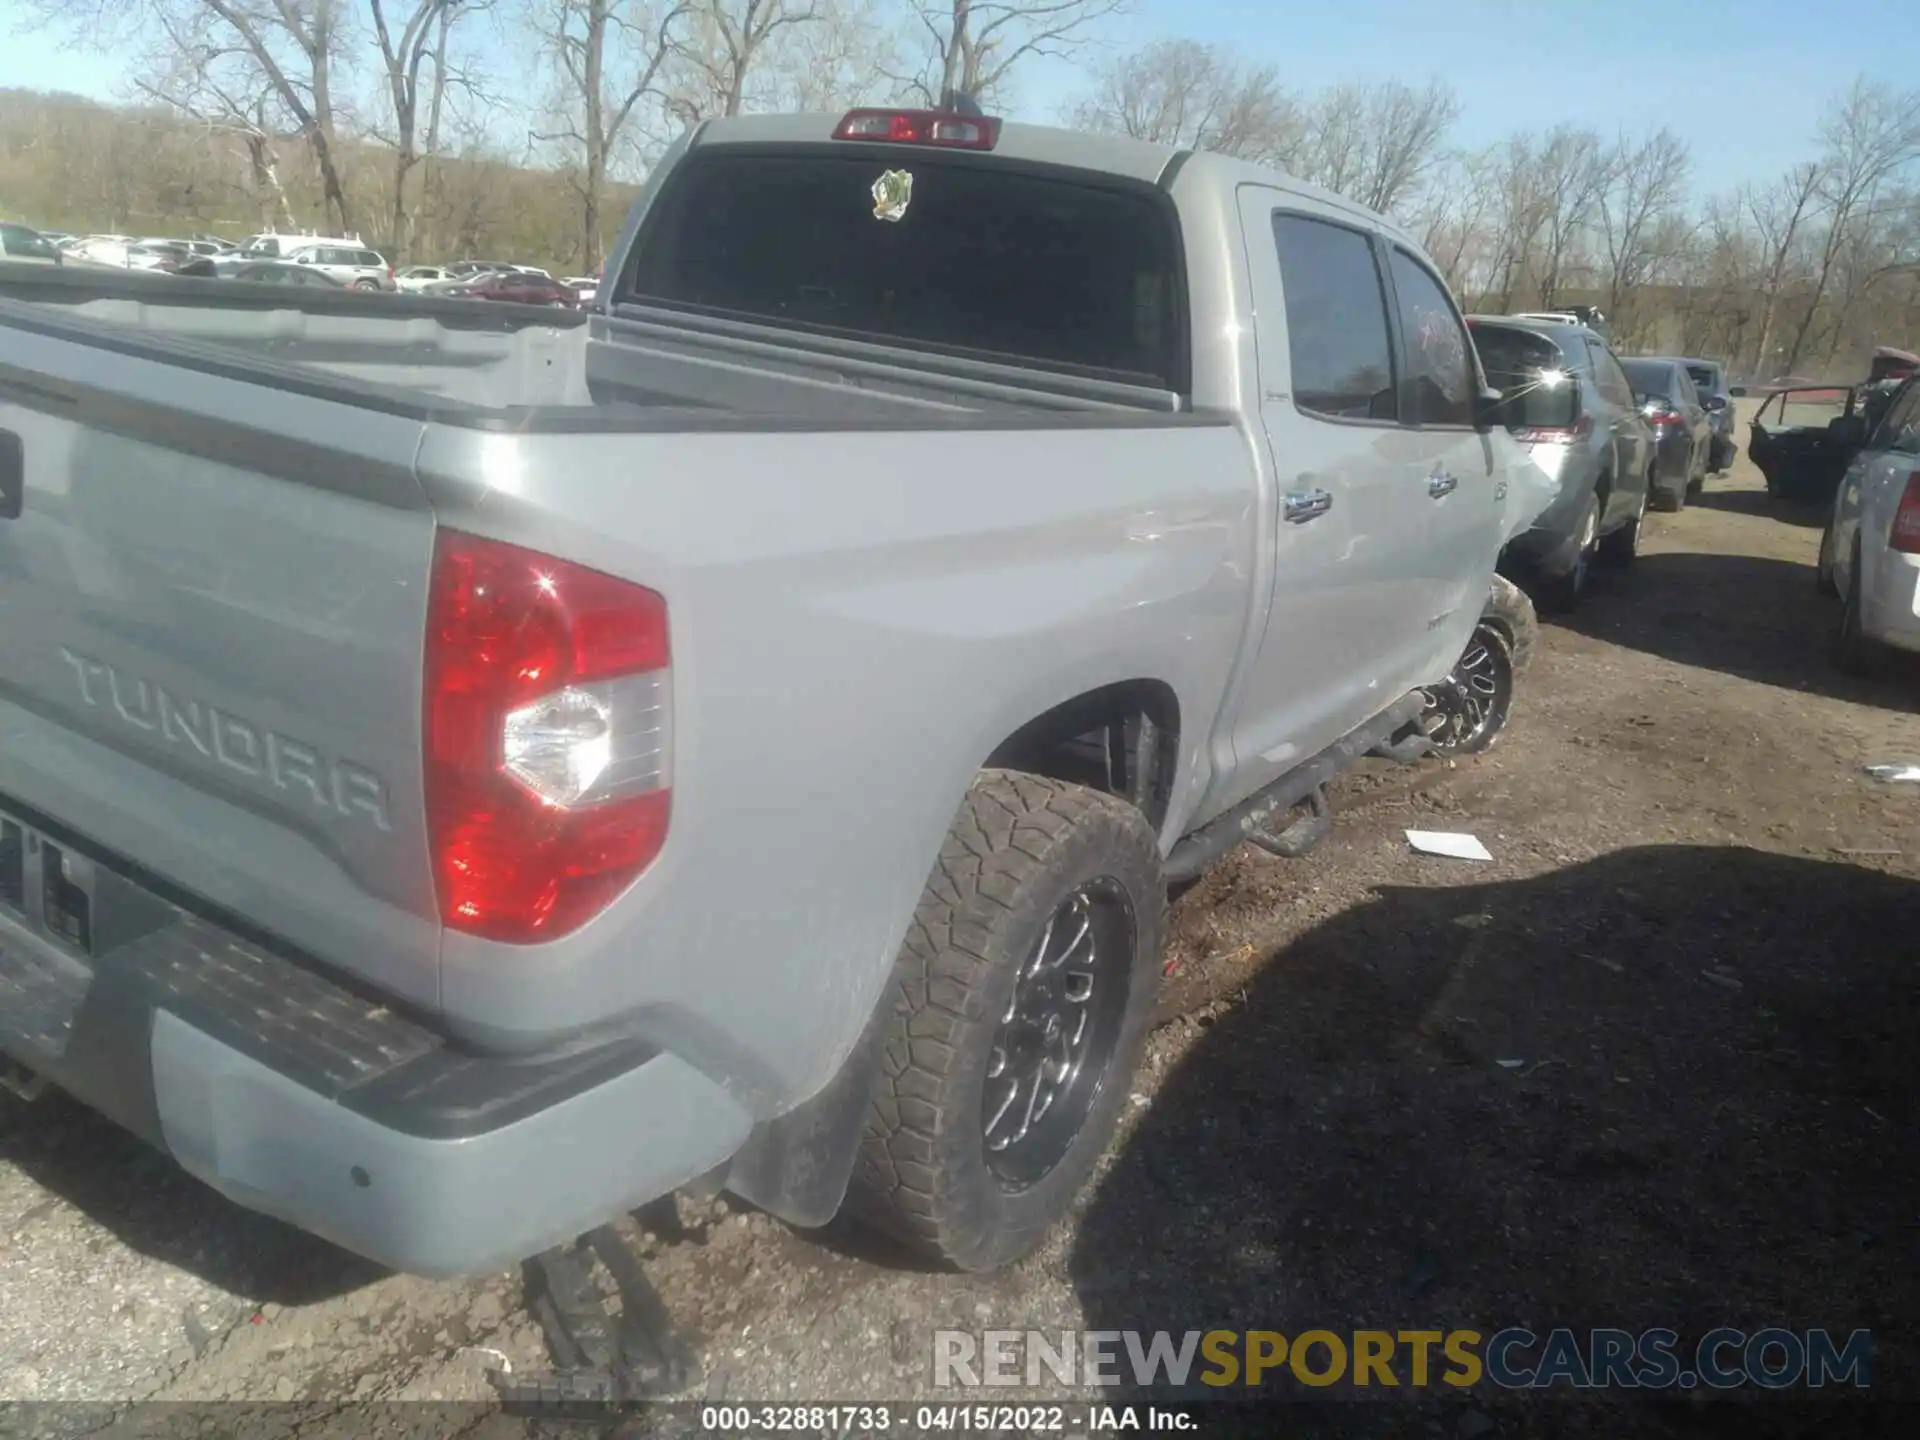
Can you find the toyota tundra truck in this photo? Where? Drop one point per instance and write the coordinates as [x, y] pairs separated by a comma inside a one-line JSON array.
[[466, 771]]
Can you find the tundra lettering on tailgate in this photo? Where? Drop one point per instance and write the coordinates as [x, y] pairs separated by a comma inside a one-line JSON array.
[[221, 738]]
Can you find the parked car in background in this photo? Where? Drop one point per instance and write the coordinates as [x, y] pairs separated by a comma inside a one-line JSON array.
[[130, 254], [517, 287], [1870, 550], [585, 286], [1566, 400], [1591, 316], [1716, 395], [354, 266], [1682, 436], [414, 278], [1802, 438], [22, 244], [278, 272]]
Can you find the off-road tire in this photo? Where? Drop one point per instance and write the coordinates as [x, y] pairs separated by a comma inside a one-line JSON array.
[[1019, 846], [1509, 609]]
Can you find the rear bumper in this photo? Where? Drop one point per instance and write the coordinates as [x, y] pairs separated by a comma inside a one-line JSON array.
[[1890, 603], [296, 1096]]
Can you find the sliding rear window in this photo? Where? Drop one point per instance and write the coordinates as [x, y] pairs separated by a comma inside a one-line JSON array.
[[1051, 269]]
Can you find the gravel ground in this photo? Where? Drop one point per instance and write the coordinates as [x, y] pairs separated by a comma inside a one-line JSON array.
[[1695, 936]]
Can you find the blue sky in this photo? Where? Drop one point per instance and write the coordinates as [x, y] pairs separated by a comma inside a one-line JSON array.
[[1744, 83]]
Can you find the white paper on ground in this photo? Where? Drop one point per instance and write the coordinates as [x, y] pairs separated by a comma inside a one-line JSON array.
[[1445, 842], [1907, 771]]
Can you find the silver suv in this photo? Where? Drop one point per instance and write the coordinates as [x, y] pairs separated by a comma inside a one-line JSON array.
[[352, 265], [1568, 402]]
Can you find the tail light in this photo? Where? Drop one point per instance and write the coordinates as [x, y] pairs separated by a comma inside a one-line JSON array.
[[1550, 434], [1905, 535], [547, 735], [920, 127]]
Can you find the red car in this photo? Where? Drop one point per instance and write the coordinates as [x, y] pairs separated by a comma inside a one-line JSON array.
[[518, 288]]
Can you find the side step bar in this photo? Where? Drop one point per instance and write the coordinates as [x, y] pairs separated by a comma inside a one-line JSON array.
[[1255, 815]]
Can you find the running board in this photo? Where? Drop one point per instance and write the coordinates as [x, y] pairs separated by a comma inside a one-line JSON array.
[[1193, 853], [1304, 835]]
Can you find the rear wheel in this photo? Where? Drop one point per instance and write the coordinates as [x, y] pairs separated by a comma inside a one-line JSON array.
[[1469, 710], [1622, 547], [1565, 591], [1854, 651], [1823, 580], [1022, 998]]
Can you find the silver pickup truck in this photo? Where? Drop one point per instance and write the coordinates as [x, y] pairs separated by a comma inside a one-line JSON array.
[[466, 770]]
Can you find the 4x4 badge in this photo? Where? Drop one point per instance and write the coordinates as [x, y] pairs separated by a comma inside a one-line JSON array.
[[892, 193]]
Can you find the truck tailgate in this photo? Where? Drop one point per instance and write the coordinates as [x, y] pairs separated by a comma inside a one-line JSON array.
[[213, 595]]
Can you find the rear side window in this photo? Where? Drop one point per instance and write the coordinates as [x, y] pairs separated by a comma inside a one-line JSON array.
[[1533, 377], [1041, 268], [1610, 379], [1439, 360], [1337, 332], [1705, 379], [1649, 377]]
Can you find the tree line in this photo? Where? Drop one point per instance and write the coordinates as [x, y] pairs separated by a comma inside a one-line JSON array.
[[522, 128]]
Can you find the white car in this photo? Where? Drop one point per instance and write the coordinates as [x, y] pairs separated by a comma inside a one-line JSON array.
[[1870, 553], [587, 285], [420, 277], [353, 265]]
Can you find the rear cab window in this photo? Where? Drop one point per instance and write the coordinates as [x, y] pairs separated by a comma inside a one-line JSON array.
[[1037, 266], [1529, 370]]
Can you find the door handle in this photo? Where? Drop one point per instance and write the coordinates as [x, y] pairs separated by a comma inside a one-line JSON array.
[[1305, 505], [1440, 483]]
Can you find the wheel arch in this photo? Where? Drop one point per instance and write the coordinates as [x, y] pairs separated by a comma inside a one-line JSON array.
[[1122, 738]]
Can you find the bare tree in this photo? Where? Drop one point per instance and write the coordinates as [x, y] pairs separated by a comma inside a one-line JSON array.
[[1373, 143], [1646, 184], [723, 46], [594, 42], [1179, 92], [1778, 215], [418, 44], [974, 45], [280, 50], [1573, 173], [842, 59], [1872, 136]]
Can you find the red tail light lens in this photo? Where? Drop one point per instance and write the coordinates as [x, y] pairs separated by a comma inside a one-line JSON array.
[[1905, 535], [547, 738]]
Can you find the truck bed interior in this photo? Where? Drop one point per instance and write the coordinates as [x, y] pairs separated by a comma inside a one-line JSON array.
[[496, 365]]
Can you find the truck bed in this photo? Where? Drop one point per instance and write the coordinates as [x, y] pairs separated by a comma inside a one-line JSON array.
[[495, 365]]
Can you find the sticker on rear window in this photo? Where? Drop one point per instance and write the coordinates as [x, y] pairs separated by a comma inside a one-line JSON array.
[[892, 193]]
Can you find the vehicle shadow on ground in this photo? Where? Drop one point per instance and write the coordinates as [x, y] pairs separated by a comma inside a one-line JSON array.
[[155, 1208], [1758, 502], [1744, 615], [1355, 1147]]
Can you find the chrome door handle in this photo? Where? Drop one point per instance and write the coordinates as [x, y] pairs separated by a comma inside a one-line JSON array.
[[1440, 483], [1305, 505]]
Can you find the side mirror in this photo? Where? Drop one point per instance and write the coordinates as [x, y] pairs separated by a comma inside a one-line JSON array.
[[1738, 392], [1715, 402], [1489, 409]]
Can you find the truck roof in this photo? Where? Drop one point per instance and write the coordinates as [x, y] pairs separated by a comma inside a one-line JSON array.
[[1121, 155]]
